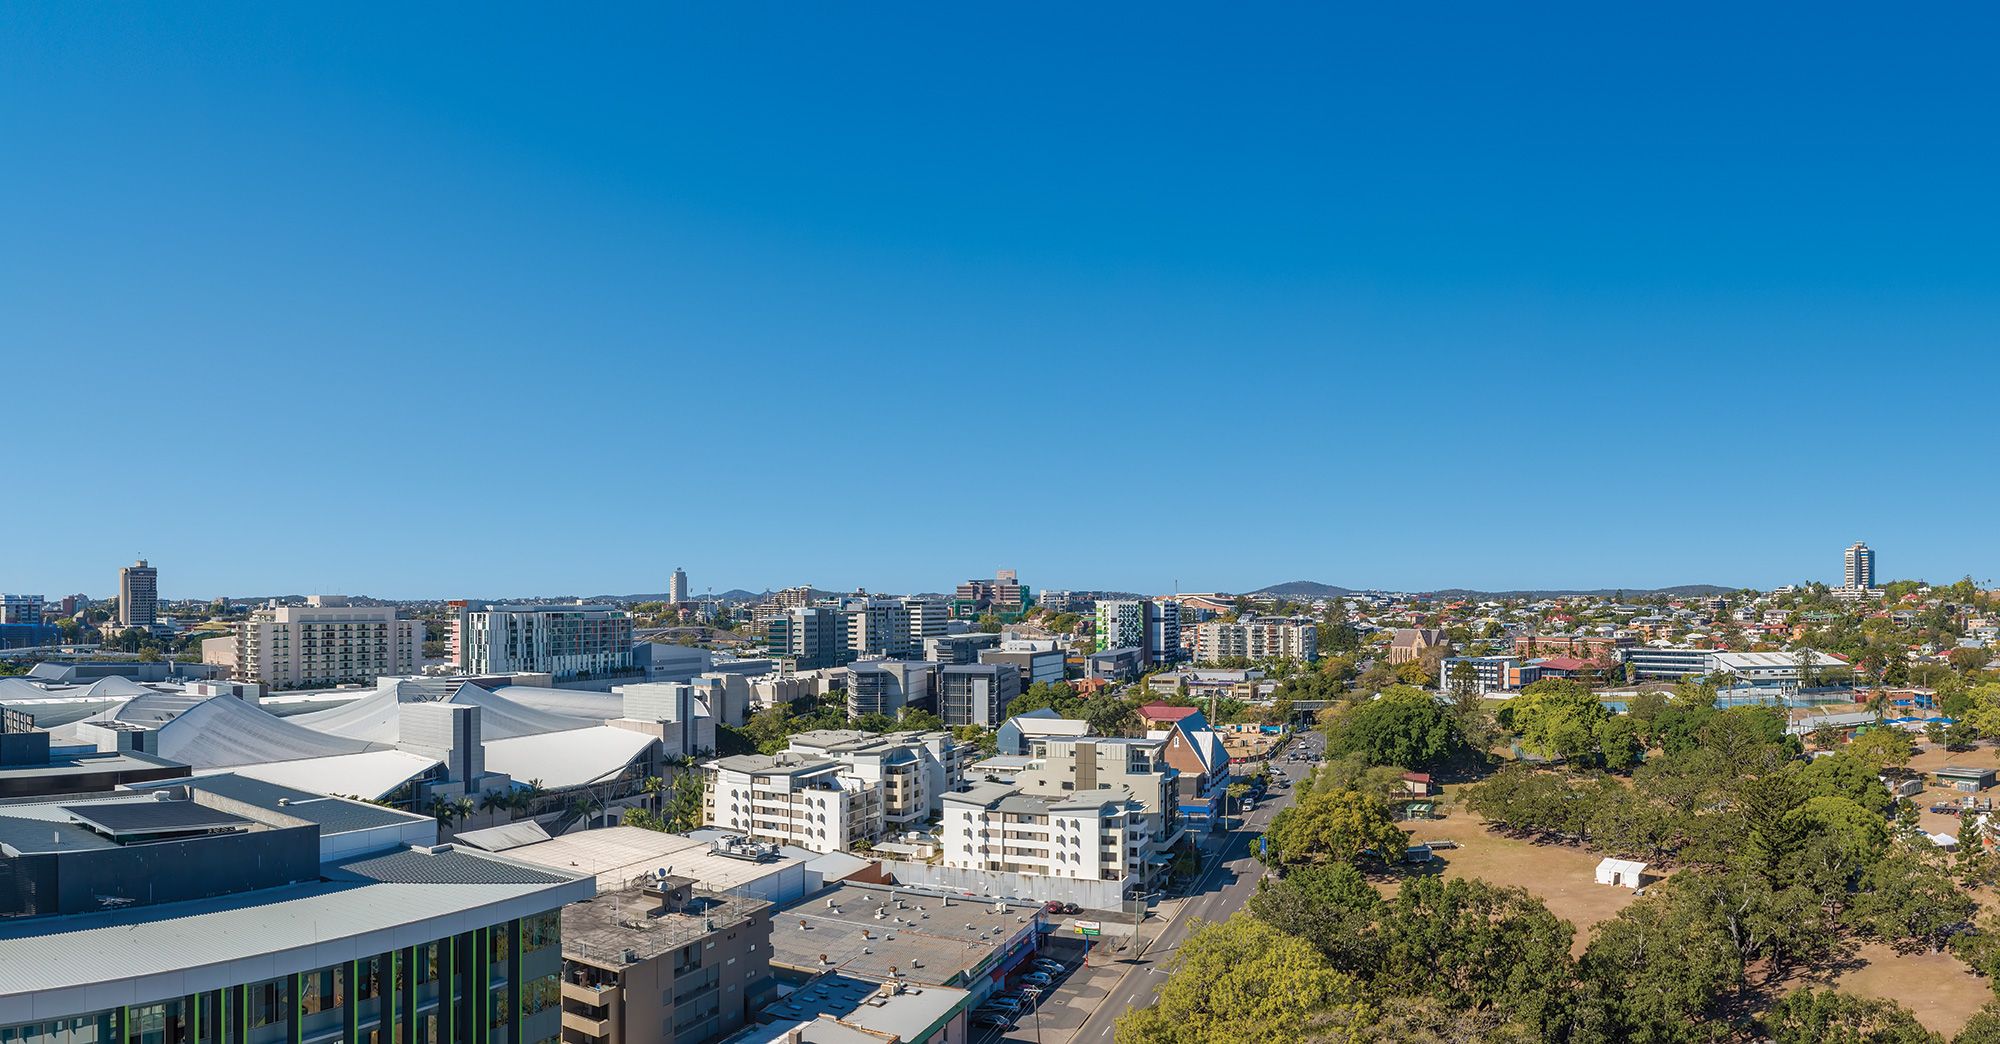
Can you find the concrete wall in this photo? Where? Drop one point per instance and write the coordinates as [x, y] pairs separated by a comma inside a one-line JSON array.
[[1091, 895]]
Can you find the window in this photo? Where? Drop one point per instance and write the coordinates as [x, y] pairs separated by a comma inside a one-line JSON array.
[[267, 1002], [541, 994], [499, 1013], [319, 991], [541, 931], [499, 937]]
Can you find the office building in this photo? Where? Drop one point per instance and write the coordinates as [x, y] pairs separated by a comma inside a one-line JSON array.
[[1651, 662], [883, 934], [1036, 661], [324, 643], [1002, 594], [138, 595], [227, 910], [662, 963], [1114, 665], [677, 586], [807, 637], [888, 686], [562, 641], [959, 648], [1478, 674], [21, 609], [1860, 568], [976, 694], [1258, 638], [791, 799]]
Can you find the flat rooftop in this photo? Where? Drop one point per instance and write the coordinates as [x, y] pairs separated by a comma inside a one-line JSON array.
[[842, 1009], [928, 938], [605, 929], [617, 856]]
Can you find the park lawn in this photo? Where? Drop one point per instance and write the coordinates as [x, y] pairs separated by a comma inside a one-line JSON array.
[[1562, 876], [1938, 987]]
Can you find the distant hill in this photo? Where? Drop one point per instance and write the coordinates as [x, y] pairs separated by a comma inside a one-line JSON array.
[[1304, 589], [1682, 591], [1315, 589]]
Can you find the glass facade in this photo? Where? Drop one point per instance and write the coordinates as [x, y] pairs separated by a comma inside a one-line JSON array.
[[441, 992]]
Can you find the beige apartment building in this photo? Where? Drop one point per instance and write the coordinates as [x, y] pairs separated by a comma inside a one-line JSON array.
[[325, 642], [662, 963]]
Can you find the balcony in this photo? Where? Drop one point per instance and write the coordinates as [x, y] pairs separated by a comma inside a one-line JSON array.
[[585, 1027]]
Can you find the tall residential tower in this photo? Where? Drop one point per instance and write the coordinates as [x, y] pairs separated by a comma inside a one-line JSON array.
[[1860, 568], [138, 595]]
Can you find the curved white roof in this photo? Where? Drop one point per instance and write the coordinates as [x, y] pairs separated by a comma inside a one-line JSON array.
[[568, 759], [576, 703], [378, 718], [370, 775], [223, 731]]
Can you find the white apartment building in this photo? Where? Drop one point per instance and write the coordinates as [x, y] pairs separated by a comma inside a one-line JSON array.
[[1257, 638], [914, 770], [996, 827], [562, 641], [1128, 780], [791, 799], [891, 628], [325, 642], [887, 686], [21, 609]]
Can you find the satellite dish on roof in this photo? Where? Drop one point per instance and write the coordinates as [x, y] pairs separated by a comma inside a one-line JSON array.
[[660, 874]]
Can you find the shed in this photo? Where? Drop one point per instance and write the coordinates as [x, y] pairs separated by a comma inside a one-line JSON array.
[[1969, 778], [1626, 873]]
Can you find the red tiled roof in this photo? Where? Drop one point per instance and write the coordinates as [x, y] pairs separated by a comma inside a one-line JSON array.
[[1163, 712], [1564, 663], [1417, 777]]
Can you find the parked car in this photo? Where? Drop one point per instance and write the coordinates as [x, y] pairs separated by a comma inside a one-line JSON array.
[[1007, 1004], [992, 1020], [1072, 908], [1039, 978], [1053, 906], [1050, 966]]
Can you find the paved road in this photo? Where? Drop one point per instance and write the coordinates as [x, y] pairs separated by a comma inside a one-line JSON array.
[[1222, 890]]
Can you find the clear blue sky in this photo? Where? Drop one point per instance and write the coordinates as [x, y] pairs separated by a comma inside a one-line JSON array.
[[511, 299]]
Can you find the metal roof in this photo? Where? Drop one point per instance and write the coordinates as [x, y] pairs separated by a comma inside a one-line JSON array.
[[334, 815], [127, 818]]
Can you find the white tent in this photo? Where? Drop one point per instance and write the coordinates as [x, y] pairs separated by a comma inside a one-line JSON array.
[[1628, 873], [1944, 840]]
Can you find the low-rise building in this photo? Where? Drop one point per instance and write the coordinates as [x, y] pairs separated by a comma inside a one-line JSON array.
[[913, 770], [663, 963], [1043, 661], [880, 933], [792, 799], [1087, 835]]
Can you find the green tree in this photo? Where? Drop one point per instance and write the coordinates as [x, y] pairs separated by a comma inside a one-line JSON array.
[[1983, 1028], [1653, 971], [1473, 945], [1910, 899], [1555, 718], [1403, 726], [1333, 907], [1811, 1016], [1336, 826], [1241, 980]]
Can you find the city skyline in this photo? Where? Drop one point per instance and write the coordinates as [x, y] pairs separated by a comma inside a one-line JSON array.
[[1839, 578], [1387, 286]]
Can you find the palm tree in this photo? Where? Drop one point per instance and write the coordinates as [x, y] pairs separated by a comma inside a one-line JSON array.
[[654, 786], [494, 801], [441, 810], [462, 809]]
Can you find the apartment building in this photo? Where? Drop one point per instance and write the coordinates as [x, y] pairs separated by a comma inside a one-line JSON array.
[[563, 641], [138, 595], [325, 642], [976, 694], [1087, 835], [663, 963], [229, 910], [913, 770], [959, 648], [1482, 674], [813, 802], [890, 628], [22, 609], [1151, 626], [888, 686], [1257, 638], [1062, 766]]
